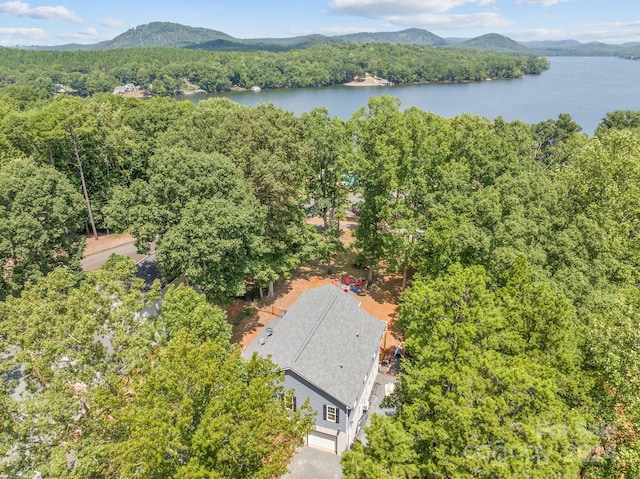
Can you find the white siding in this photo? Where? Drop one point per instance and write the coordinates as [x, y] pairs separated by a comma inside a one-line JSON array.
[[362, 400]]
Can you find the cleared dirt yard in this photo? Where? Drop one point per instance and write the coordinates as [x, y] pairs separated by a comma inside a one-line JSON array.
[[381, 300]]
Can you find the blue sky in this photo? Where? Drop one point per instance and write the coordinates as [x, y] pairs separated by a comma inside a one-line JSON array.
[[89, 21]]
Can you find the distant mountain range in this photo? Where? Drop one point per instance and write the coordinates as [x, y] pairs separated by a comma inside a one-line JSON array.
[[166, 34]]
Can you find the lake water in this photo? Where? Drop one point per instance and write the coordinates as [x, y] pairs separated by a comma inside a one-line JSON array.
[[585, 87]]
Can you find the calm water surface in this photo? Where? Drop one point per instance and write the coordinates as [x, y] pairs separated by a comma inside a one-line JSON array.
[[585, 87]]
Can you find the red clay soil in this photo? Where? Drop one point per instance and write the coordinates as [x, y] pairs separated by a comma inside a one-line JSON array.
[[248, 318]]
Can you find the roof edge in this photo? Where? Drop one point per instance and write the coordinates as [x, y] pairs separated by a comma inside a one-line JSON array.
[[331, 396]]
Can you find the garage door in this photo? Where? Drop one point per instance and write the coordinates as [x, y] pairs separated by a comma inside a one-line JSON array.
[[322, 441]]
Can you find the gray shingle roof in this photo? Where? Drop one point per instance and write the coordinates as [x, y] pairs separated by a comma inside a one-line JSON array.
[[326, 338]]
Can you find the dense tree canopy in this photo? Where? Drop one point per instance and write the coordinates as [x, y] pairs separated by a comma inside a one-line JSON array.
[[267, 146], [520, 254], [208, 225], [163, 71], [490, 378], [204, 412], [518, 246], [104, 399], [41, 217], [620, 120], [330, 153]]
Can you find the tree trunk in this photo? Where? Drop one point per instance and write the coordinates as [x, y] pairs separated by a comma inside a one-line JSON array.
[[370, 275], [84, 183], [404, 277], [261, 292], [270, 294]]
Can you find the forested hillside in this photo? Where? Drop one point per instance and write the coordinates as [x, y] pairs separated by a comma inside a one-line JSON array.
[[518, 243], [174, 35], [165, 71], [591, 49], [167, 34], [493, 42]]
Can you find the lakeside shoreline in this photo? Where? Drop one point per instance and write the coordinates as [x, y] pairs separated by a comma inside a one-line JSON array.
[[369, 80]]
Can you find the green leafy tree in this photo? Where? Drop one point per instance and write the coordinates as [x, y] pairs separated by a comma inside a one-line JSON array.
[[67, 121], [550, 133], [176, 176], [266, 143], [183, 307], [215, 245], [147, 120], [202, 411], [70, 337], [199, 208], [425, 143], [330, 163], [104, 398], [599, 208], [389, 453], [380, 141], [474, 396], [612, 359], [619, 120], [40, 217]]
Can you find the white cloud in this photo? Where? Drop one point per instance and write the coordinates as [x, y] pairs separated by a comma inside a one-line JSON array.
[[383, 9], [610, 32], [112, 23], [635, 23], [90, 32], [326, 31], [85, 34], [544, 3], [21, 9], [28, 33], [420, 13], [452, 22]]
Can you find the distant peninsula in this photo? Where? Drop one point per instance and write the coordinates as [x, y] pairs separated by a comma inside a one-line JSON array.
[[163, 71]]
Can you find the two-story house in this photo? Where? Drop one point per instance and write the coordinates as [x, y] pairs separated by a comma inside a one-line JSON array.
[[328, 348]]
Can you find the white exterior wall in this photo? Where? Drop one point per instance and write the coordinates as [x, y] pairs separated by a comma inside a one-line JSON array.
[[361, 402]]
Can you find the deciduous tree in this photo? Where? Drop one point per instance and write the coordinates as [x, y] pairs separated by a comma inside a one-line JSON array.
[[331, 162], [67, 120], [41, 216], [202, 411]]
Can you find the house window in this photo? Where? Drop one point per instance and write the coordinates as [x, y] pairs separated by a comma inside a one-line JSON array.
[[290, 401], [331, 413]]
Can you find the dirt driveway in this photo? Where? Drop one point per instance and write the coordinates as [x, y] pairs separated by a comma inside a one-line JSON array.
[[105, 242]]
